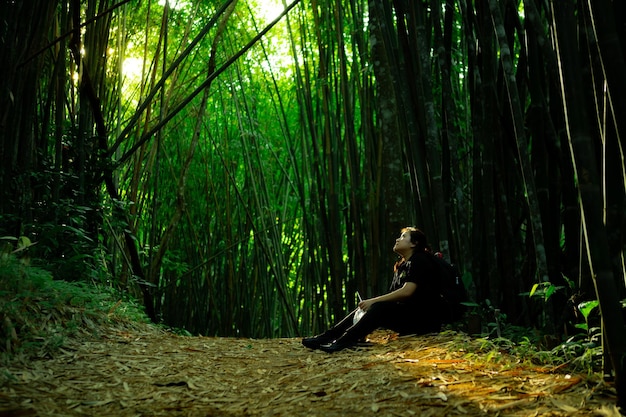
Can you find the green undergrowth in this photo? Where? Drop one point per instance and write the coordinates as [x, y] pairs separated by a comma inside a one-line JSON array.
[[577, 354], [39, 315]]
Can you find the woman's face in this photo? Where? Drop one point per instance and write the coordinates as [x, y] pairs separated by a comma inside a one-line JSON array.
[[403, 243]]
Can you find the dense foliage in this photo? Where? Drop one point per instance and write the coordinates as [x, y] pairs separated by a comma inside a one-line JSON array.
[[40, 315]]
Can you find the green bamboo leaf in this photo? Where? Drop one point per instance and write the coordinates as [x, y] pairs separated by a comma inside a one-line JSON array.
[[533, 290], [587, 307], [23, 242], [549, 291]]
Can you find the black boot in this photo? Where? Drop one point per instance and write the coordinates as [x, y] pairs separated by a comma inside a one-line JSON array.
[[344, 342], [316, 342], [329, 335]]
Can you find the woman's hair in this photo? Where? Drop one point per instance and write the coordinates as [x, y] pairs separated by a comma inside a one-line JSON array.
[[418, 238]]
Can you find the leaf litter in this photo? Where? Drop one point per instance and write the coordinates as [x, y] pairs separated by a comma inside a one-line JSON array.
[[148, 372]]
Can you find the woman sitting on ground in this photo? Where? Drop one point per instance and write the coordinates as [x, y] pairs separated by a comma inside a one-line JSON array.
[[410, 307]]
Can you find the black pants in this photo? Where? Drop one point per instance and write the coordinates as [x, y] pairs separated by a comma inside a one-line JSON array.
[[391, 315]]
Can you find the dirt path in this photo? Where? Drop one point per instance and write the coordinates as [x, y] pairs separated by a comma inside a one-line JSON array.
[[148, 373]]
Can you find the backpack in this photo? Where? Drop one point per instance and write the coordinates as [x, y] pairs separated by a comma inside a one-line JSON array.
[[452, 290]]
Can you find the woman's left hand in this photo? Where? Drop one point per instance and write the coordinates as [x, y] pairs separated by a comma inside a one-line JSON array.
[[366, 304]]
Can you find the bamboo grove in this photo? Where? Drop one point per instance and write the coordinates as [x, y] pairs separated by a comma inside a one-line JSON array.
[[246, 174]]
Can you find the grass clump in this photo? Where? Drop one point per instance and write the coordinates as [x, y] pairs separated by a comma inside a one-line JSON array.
[[39, 315]]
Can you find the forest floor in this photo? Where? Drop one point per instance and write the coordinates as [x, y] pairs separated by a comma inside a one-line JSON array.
[[143, 371]]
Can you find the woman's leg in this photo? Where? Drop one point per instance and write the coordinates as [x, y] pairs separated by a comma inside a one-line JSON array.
[[331, 334], [379, 315], [384, 314], [389, 315]]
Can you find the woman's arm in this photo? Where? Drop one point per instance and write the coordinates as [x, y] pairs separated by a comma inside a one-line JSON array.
[[398, 295]]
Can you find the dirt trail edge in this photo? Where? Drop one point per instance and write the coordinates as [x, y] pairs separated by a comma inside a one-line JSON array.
[[153, 373]]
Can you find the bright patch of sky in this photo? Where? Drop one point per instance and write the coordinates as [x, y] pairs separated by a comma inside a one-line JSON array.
[[276, 41], [268, 10], [131, 68], [175, 4]]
